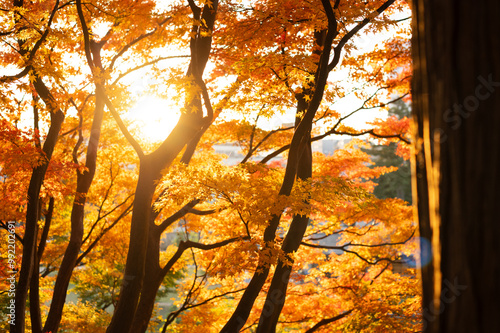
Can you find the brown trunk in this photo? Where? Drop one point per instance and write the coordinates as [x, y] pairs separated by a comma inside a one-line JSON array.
[[153, 274], [134, 269], [300, 140], [276, 295], [84, 180], [456, 97], [149, 173], [242, 311], [31, 228], [147, 302], [34, 296], [35, 313], [187, 129], [152, 281]]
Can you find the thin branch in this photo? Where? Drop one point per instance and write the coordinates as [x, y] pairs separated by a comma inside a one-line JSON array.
[[136, 40], [37, 45], [382, 244], [267, 136], [344, 248], [45, 33], [393, 21], [80, 137], [380, 273], [177, 215], [327, 321], [184, 245], [4, 225], [213, 297], [371, 132], [46, 228], [335, 131], [100, 90], [108, 189], [364, 107], [103, 232], [137, 147], [148, 63], [338, 232], [376, 261], [354, 31], [252, 135], [105, 215]]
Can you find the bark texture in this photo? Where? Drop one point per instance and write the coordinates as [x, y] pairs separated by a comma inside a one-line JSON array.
[[456, 100]]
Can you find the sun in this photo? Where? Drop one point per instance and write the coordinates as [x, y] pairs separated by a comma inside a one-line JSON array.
[[153, 118]]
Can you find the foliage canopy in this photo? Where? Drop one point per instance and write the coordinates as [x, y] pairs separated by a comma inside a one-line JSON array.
[[167, 236]]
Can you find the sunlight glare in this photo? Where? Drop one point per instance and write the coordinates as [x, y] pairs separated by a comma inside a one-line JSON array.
[[153, 118]]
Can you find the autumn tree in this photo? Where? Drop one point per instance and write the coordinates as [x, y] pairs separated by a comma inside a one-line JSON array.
[[456, 100], [285, 224]]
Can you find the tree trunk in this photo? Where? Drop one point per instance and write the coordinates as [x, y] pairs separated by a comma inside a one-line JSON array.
[[300, 143], [35, 312], [187, 129], [456, 103], [32, 212], [134, 269], [84, 180], [150, 170], [276, 295], [152, 281], [34, 296], [242, 311]]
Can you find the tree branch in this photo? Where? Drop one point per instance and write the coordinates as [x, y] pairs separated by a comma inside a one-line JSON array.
[[327, 321], [136, 40], [184, 245], [100, 90], [37, 45], [103, 232], [148, 63], [335, 131], [137, 147], [355, 30], [344, 246], [177, 215]]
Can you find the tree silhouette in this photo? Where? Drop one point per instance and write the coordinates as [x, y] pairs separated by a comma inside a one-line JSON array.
[[456, 104]]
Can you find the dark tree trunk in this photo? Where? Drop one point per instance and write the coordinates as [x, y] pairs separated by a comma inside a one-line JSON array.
[[84, 181], [152, 282], [34, 296], [134, 269], [299, 149], [190, 127], [276, 295], [150, 170], [456, 102], [242, 311], [35, 312], [32, 212]]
